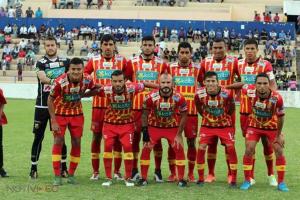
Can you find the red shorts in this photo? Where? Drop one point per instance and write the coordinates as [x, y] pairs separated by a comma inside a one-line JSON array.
[[244, 124], [97, 119], [254, 134], [138, 121], [209, 135], [191, 127], [156, 134], [73, 123], [233, 121], [123, 132]]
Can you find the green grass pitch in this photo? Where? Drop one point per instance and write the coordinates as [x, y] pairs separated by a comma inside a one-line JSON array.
[[17, 146]]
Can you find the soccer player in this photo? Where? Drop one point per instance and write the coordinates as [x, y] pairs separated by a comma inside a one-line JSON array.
[[186, 75], [145, 67], [3, 121], [102, 66], [249, 68], [160, 114], [226, 68], [265, 111], [119, 122], [48, 68], [215, 104], [65, 109]]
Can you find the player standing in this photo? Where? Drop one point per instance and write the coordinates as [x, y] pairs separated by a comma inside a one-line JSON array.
[[102, 66], [186, 75], [145, 67], [65, 109], [216, 105], [226, 68], [265, 111], [48, 68], [3, 121]]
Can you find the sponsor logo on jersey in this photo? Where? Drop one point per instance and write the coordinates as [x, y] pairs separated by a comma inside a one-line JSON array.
[[223, 75], [146, 75], [165, 105], [260, 105], [248, 78], [75, 89], [53, 73], [104, 73], [71, 97], [184, 80], [121, 105], [119, 98], [213, 103]]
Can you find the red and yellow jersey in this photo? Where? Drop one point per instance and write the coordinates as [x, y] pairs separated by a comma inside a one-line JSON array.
[[163, 111], [67, 95], [226, 69], [3, 119], [138, 70], [186, 81], [214, 109], [102, 70], [248, 72], [119, 109], [263, 113]]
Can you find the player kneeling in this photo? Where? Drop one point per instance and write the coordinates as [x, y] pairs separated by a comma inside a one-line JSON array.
[[160, 113], [216, 105], [265, 118], [65, 109]]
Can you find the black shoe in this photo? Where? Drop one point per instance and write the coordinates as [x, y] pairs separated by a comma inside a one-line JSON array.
[[33, 174], [135, 175], [182, 183], [142, 182], [3, 173], [158, 176]]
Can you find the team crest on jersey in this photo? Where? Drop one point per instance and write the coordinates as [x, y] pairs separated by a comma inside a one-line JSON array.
[[158, 60], [75, 89], [273, 100], [184, 71], [130, 89], [261, 63], [202, 93], [229, 59], [213, 103], [260, 105], [119, 98], [147, 65], [155, 96], [43, 60], [164, 105], [119, 58], [251, 93]]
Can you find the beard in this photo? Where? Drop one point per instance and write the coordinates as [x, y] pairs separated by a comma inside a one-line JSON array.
[[165, 90], [119, 90]]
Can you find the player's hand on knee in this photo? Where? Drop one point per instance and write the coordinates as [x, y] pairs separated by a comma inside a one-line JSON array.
[[148, 145], [55, 128], [178, 141]]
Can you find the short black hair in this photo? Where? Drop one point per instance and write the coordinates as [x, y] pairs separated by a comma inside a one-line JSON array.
[[210, 74], [251, 41], [117, 73], [184, 45], [218, 40], [107, 37], [263, 75], [74, 61], [51, 38], [148, 38]]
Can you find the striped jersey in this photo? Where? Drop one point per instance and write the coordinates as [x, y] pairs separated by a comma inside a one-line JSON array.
[[249, 72], [163, 111], [119, 109], [186, 81], [67, 95], [138, 70], [226, 69], [214, 109], [53, 68], [102, 70], [263, 113]]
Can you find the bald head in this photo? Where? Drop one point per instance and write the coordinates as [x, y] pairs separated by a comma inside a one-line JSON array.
[[165, 84]]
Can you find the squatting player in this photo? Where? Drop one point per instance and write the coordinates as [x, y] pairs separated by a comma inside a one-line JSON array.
[[160, 110], [265, 111], [48, 68], [65, 109], [102, 66], [215, 104], [226, 68]]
